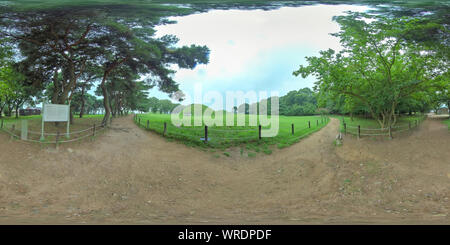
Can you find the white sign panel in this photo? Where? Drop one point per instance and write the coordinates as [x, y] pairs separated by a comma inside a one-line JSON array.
[[56, 113]]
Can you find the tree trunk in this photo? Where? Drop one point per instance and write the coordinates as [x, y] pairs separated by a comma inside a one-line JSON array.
[[17, 111], [10, 110], [72, 121], [106, 105], [82, 101]]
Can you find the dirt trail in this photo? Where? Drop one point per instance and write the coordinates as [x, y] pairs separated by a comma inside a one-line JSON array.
[[129, 175]]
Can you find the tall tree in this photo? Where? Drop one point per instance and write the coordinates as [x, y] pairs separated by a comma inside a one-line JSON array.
[[379, 65]]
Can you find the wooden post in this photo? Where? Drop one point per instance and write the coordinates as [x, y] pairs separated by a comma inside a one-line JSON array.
[[292, 126], [148, 124], [309, 124], [409, 125], [259, 131], [57, 138], [390, 132], [206, 133], [317, 124], [165, 129], [1, 124], [139, 122], [345, 128], [359, 131], [93, 130]]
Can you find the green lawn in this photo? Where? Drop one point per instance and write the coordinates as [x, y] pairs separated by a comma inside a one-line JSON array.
[[13, 125], [368, 125], [448, 123], [223, 137]]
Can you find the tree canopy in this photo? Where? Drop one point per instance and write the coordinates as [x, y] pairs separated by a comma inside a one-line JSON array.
[[380, 65], [61, 47]]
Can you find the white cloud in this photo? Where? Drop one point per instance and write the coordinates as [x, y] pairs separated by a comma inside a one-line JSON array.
[[247, 44]]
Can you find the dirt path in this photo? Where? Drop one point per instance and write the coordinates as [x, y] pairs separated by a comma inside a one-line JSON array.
[[129, 175]]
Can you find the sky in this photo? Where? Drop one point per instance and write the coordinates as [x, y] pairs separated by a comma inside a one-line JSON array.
[[254, 50]]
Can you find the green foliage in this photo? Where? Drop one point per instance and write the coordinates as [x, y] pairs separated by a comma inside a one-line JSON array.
[[63, 45], [379, 67], [298, 103], [447, 122]]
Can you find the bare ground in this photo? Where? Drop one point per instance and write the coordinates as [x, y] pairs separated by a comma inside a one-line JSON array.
[[130, 176]]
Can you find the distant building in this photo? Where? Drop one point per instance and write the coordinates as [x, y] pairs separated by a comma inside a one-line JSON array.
[[442, 111], [30, 111]]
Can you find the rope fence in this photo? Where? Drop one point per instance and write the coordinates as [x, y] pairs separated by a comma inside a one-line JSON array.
[[214, 135], [358, 131], [50, 138]]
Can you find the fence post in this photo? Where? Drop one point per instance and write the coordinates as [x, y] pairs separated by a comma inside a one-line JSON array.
[[345, 128], [292, 129], [390, 131], [139, 122], [259, 133], [409, 125], [317, 124], [148, 123], [93, 130], [57, 138], [2, 124], [309, 124], [359, 131], [165, 129], [206, 133]]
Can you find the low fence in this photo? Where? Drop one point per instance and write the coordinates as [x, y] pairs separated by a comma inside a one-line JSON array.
[[216, 135], [358, 131], [57, 138]]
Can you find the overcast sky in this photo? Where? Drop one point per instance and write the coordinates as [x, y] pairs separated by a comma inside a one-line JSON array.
[[254, 49]]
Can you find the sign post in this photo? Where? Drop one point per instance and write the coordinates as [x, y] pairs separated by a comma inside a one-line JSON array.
[[55, 113], [68, 120], [42, 126]]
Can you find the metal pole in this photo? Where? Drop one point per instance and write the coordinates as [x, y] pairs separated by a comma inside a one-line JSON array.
[[359, 131], [206, 133], [292, 126], [345, 128]]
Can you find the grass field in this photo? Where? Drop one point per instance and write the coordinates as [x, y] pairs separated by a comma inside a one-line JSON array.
[[247, 137], [370, 124], [13, 125], [447, 122]]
